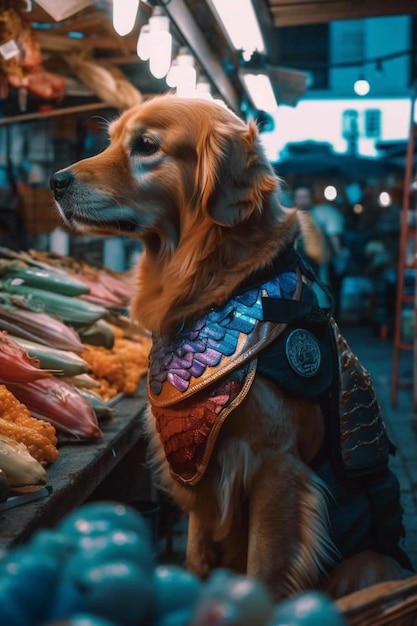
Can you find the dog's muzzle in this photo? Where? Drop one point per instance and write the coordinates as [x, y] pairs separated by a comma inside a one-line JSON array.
[[59, 183], [84, 207]]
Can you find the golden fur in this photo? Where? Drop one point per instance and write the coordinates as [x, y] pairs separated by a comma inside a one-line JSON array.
[[190, 179]]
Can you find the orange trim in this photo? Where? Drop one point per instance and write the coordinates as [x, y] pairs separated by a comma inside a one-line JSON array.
[[212, 437]]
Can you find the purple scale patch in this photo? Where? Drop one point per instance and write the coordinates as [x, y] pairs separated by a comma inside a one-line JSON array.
[[209, 357], [177, 382], [182, 362], [155, 386], [181, 373], [197, 369], [200, 324], [195, 346], [159, 375], [167, 359]]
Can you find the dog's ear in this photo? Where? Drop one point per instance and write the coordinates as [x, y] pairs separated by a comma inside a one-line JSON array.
[[233, 174]]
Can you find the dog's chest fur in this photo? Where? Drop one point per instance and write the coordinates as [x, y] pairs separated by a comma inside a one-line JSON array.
[[197, 377]]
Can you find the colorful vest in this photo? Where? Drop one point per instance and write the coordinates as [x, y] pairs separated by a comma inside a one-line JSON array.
[[197, 377]]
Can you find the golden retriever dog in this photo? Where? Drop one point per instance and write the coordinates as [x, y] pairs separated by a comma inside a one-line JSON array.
[[264, 425]]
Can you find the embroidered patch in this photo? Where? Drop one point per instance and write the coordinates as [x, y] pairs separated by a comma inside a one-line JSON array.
[[303, 352]]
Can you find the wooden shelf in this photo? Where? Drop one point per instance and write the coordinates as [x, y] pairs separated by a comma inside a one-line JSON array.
[[37, 115]]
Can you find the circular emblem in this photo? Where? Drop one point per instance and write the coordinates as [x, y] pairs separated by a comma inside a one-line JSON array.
[[303, 352]]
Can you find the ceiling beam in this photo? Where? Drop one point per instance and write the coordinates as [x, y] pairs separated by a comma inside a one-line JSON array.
[[300, 12], [194, 37]]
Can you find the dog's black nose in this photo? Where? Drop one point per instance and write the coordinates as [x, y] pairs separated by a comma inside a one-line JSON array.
[[59, 181]]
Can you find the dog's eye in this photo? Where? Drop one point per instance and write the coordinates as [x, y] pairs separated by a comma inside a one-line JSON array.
[[144, 145]]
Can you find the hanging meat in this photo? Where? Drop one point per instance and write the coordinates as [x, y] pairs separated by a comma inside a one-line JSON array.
[[21, 58]]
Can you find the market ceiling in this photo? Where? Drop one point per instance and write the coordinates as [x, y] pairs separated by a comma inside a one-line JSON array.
[[194, 25], [302, 12]]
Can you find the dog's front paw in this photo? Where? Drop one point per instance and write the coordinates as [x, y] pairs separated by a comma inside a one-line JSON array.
[[203, 563]]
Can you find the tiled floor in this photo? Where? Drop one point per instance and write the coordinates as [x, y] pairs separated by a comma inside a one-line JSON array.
[[376, 356]]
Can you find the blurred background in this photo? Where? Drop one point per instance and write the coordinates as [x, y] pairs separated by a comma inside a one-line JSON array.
[[330, 83]]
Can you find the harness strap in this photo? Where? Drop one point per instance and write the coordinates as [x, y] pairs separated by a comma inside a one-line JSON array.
[[289, 311]]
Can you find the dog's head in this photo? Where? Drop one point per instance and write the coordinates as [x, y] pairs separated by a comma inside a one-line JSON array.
[[168, 160], [190, 179]]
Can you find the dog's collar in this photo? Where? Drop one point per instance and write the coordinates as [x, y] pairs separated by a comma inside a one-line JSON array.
[[286, 261]]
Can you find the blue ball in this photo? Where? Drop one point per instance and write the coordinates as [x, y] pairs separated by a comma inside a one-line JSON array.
[[307, 609], [119, 591]]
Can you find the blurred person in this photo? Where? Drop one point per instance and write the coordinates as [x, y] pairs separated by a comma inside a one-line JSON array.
[[311, 244], [382, 270], [328, 225]]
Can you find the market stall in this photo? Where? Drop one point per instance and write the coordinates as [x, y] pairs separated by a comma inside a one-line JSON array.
[[72, 381], [84, 471]]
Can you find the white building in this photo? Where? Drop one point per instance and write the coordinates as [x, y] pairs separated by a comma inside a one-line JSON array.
[[377, 49]]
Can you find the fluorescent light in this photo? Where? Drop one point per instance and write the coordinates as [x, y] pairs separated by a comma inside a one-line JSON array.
[[160, 53], [124, 15], [142, 48], [260, 91], [182, 74], [240, 23], [186, 75], [203, 89], [160, 44], [171, 77]]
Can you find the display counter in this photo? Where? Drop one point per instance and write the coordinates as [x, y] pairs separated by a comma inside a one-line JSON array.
[[112, 468]]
